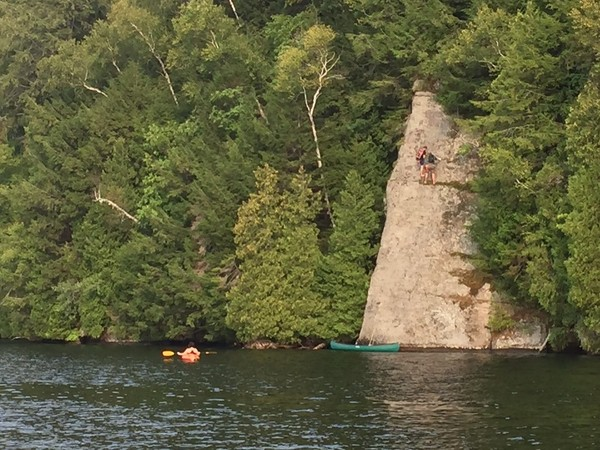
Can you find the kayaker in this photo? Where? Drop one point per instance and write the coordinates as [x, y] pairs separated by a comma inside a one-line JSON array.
[[191, 352]]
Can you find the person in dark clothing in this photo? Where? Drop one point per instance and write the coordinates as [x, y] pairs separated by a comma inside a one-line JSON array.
[[429, 166]]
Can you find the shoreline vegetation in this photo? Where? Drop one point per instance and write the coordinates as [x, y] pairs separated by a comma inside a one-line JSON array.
[[216, 170], [212, 348]]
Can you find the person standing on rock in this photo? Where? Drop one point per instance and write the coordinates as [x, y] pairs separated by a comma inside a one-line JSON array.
[[430, 163], [421, 154]]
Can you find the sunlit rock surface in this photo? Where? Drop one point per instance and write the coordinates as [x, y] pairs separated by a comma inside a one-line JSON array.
[[424, 292]]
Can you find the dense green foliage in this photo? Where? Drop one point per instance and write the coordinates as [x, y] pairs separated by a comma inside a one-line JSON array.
[[518, 74], [216, 168], [130, 132], [278, 250]]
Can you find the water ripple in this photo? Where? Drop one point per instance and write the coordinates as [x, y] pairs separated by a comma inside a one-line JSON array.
[[123, 397]]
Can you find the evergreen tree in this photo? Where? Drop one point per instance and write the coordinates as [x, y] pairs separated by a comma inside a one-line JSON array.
[[130, 130], [522, 188], [344, 272], [278, 252], [524, 72], [581, 226], [465, 66], [31, 32]]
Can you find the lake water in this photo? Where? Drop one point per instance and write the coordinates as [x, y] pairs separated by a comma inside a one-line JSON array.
[[128, 397]]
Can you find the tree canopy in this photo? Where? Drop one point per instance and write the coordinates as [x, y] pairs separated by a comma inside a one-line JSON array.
[[216, 169]]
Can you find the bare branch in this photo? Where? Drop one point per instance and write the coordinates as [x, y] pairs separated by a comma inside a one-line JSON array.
[[543, 346], [91, 88], [98, 198], [113, 60], [523, 185], [234, 11], [311, 117], [151, 45], [114, 63], [310, 107], [498, 49], [492, 65], [7, 294], [213, 40], [326, 63], [261, 111], [328, 205]]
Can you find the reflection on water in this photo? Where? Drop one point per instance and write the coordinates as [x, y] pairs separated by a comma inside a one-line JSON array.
[[128, 397]]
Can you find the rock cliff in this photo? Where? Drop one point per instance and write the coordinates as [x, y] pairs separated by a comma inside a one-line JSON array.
[[424, 292]]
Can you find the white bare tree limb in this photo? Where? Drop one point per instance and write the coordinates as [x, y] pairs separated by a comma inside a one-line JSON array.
[[498, 49], [113, 60], [326, 63], [213, 40], [152, 46], [234, 11], [310, 108], [261, 111], [116, 66], [523, 185], [7, 294], [92, 88], [328, 205], [492, 65], [98, 198], [543, 346]]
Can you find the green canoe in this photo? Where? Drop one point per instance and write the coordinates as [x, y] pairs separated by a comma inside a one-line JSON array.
[[333, 345]]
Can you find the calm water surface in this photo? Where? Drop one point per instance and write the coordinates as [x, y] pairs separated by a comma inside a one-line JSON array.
[[128, 397]]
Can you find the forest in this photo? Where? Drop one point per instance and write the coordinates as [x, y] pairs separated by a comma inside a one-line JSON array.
[[216, 170]]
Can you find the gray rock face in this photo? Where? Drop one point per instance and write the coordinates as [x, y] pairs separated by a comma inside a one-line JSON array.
[[424, 293]]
